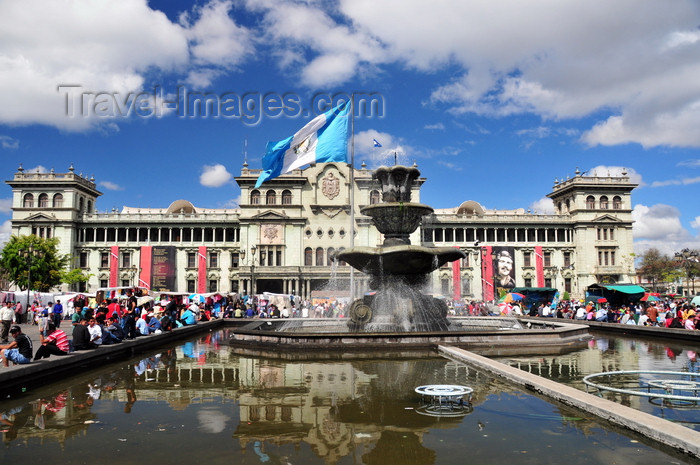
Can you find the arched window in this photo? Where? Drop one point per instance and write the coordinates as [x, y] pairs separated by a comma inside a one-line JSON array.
[[374, 197], [43, 200], [28, 201], [286, 197], [270, 197], [308, 256], [319, 257], [255, 197], [617, 203], [568, 206], [331, 250], [89, 206], [603, 202], [559, 207], [58, 201], [340, 262], [590, 202], [81, 204]]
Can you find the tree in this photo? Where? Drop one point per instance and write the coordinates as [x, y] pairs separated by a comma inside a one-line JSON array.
[[48, 267], [655, 266], [688, 262]]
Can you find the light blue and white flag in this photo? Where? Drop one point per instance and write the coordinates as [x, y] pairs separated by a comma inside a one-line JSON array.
[[324, 139], [376, 143]]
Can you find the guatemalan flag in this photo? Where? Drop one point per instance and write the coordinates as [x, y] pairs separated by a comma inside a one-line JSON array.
[[324, 139], [376, 143]]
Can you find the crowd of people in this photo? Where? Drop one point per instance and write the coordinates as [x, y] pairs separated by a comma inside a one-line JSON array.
[[669, 313]]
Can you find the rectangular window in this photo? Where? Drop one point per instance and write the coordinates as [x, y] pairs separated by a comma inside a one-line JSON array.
[[465, 262], [104, 260], [612, 234], [125, 283], [104, 282], [126, 260], [190, 286], [599, 235], [235, 260], [567, 259], [567, 285], [528, 282], [612, 257], [234, 286], [83, 259], [527, 259], [213, 260], [213, 285], [547, 282], [191, 261], [278, 257], [547, 259], [605, 234]]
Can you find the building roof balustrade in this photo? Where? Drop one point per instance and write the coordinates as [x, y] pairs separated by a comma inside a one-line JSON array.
[[118, 217]]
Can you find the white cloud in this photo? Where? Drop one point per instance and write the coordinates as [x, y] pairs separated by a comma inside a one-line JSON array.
[[212, 420], [100, 46], [365, 151], [110, 186], [8, 142], [5, 232], [543, 206], [5, 205], [696, 222], [214, 176], [659, 226], [436, 126], [564, 60], [605, 170], [690, 163], [676, 182], [657, 222], [37, 169], [215, 38]]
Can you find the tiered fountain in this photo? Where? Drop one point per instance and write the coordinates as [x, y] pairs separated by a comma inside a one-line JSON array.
[[398, 314], [398, 270]]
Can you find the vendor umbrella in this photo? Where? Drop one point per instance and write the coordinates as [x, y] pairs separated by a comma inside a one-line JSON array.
[[650, 298], [196, 298], [602, 300], [511, 297]]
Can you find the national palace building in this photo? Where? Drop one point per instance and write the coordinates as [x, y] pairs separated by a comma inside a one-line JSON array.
[[283, 236]]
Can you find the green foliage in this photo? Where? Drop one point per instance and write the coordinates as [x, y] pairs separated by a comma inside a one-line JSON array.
[[656, 266], [48, 267], [565, 296]]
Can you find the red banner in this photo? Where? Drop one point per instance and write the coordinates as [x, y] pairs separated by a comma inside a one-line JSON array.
[[456, 280], [487, 273], [145, 265], [114, 266], [539, 266], [202, 269]]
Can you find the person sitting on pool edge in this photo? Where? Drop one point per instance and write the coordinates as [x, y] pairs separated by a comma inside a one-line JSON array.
[[56, 343], [18, 351]]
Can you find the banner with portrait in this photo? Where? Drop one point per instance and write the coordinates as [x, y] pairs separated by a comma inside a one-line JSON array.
[[503, 268]]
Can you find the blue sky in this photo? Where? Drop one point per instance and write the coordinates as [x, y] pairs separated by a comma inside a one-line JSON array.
[[492, 99]]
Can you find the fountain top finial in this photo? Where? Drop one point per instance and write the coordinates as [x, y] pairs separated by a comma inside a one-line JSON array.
[[396, 182]]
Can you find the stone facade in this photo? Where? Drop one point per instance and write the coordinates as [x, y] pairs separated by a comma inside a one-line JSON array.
[[283, 235]]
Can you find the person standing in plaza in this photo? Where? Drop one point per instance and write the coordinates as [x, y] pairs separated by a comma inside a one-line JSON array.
[[19, 313], [6, 315], [57, 314]]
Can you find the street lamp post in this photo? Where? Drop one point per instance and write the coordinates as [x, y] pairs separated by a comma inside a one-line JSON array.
[[252, 260]]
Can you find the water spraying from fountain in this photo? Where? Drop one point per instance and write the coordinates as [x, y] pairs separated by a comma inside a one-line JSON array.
[[398, 270]]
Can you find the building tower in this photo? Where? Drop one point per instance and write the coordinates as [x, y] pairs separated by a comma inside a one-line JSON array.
[[600, 208]]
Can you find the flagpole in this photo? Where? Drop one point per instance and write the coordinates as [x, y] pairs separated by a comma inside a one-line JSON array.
[[352, 190]]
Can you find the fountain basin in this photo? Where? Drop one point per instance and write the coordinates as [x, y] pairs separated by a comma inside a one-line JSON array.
[[493, 335], [403, 260], [396, 220]]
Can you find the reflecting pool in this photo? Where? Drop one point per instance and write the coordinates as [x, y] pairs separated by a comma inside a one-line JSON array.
[[201, 402], [619, 353]]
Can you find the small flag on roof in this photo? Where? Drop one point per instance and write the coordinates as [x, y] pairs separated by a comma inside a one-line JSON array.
[[376, 143]]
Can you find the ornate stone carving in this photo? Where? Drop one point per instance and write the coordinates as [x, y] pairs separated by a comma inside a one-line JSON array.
[[330, 186]]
